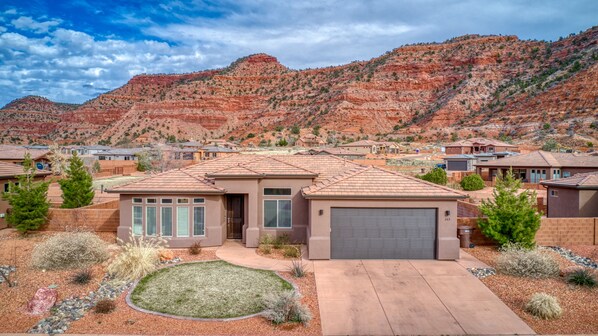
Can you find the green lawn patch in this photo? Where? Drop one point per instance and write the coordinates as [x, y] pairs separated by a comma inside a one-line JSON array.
[[213, 289]]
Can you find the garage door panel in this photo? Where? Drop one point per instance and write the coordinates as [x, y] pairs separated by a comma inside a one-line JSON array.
[[383, 233]]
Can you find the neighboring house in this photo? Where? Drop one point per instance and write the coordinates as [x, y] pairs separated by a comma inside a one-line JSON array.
[[213, 152], [371, 146], [338, 208], [126, 154], [478, 145], [539, 166], [16, 155], [575, 196], [86, 150], [189, 144], [467, 162], [310, 140], [221, 143], [9, 172]]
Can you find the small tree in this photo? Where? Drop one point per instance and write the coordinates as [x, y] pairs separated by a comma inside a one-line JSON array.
[[77, 187], [472, 182], [511, 217], [550, 145], [27, 200], [144, 161], [437, 175], [282, 143], [57, 159]]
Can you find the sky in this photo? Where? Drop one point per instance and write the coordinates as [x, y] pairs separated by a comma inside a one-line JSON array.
[[72, 51]]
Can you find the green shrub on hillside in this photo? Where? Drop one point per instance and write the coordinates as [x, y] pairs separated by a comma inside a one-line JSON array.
[[472, 182]]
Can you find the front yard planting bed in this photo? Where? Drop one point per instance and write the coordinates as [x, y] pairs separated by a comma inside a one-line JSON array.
[[211, 290], [579, 304]]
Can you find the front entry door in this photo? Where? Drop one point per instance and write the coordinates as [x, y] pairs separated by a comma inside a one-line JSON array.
[[234, 216]]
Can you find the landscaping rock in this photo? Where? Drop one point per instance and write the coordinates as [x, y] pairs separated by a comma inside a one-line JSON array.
[[42, 301], [6, 270], [570, 270], [166, 255], [579, 260], [481, 273]]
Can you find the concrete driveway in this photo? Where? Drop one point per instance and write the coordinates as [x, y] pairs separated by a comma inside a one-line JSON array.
[[401, 297]]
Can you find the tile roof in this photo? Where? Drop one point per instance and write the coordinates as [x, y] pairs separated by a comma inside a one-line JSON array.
[[374, 182], [360, 143], [122, 151], [18, 153], [544, 159], [577, 181], [175, 181], [479, 141], [10, 170], [339, 151]]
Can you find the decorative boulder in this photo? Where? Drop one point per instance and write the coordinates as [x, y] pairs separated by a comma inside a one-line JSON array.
[[42, 301], [166, 255], [565, 272]]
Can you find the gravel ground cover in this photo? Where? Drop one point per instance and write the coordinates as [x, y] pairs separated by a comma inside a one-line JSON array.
[[579, 304], [214, 289]]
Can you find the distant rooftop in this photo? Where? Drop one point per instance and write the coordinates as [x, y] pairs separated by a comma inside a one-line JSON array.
[[544, 159], [577, 181]]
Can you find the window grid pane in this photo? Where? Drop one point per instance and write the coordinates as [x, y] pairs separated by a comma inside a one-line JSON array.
[[284, 213], [137, 220], [166, 222], [270, 213], [198, 221], [182, 222], [277, 191], [150, 221]]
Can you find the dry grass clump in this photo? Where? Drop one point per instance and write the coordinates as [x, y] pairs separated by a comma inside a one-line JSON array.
[[195, 248], [105, 306], [519, 261], [265, 249], [139, 257], [285, 307], [69, 250], [543, 306]]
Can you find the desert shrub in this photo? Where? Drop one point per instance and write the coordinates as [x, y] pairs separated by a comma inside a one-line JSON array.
[[266, 239], [510, 216], [281, 241], [285, 307], [82, 277], [582, 278], [472, 182], [520, 261], [139, 257], [69, 250], [297, 268], [437, 176], [195, 248], [291, 251], [265, 249], [543, 306], [105, 306]]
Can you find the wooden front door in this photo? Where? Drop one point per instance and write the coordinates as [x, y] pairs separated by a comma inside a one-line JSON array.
[[234, 216]]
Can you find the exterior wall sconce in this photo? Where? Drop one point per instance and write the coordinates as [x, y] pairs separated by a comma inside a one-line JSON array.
[[321, 212], [447, 213]]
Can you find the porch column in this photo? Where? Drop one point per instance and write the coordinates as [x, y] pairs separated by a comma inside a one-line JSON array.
[[252, 234]]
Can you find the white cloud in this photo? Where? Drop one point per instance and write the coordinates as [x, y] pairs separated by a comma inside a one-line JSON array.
[[29, 24], [11, 11]]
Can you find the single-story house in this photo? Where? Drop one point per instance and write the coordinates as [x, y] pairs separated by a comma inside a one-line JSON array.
[[539, 166], [478, 145], [340, 209], [340, 152], [467, 162], [16, 155], [371, 146], [575, 196], [213, 152], [310, 140], [9, 172], [126, 154]]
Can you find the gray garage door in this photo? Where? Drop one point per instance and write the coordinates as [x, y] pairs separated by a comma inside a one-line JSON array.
[[456, 165], [367, 233]]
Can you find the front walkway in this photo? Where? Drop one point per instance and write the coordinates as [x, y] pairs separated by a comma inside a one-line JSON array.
[[236, 253]]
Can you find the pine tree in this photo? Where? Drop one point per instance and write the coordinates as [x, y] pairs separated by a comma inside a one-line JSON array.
[[77, 187], [28, 200], [511, 217]]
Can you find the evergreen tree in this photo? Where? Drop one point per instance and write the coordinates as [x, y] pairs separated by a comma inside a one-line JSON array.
[[77, 187], [27, 199], [511, 217]]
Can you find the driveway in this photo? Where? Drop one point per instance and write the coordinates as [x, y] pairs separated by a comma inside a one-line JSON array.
[[404, 297]]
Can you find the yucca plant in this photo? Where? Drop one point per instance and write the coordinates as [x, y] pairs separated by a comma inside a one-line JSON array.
[[582, 278]]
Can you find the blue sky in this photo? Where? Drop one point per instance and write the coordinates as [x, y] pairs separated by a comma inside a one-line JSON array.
[[71, 51]]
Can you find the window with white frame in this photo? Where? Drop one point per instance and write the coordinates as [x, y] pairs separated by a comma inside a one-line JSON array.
[[198, 201], [277, 213], [137, 200], [166, 221], [277, 191], [182, 201], [554, 193], [182, 221], [151, 222], [151, 201], [199, 221], [166, 201], [137, 220]]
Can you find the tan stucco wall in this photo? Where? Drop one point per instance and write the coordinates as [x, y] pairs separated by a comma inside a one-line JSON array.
[[566, 204], [447, 244], [588, 203], [215, 231]]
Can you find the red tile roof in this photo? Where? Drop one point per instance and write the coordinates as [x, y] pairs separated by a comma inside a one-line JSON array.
[[544, 159], [479, 141], [11, 170], [173, 182], [577, 181]]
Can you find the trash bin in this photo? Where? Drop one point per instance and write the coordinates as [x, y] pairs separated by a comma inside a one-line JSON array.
[[464, 234]]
